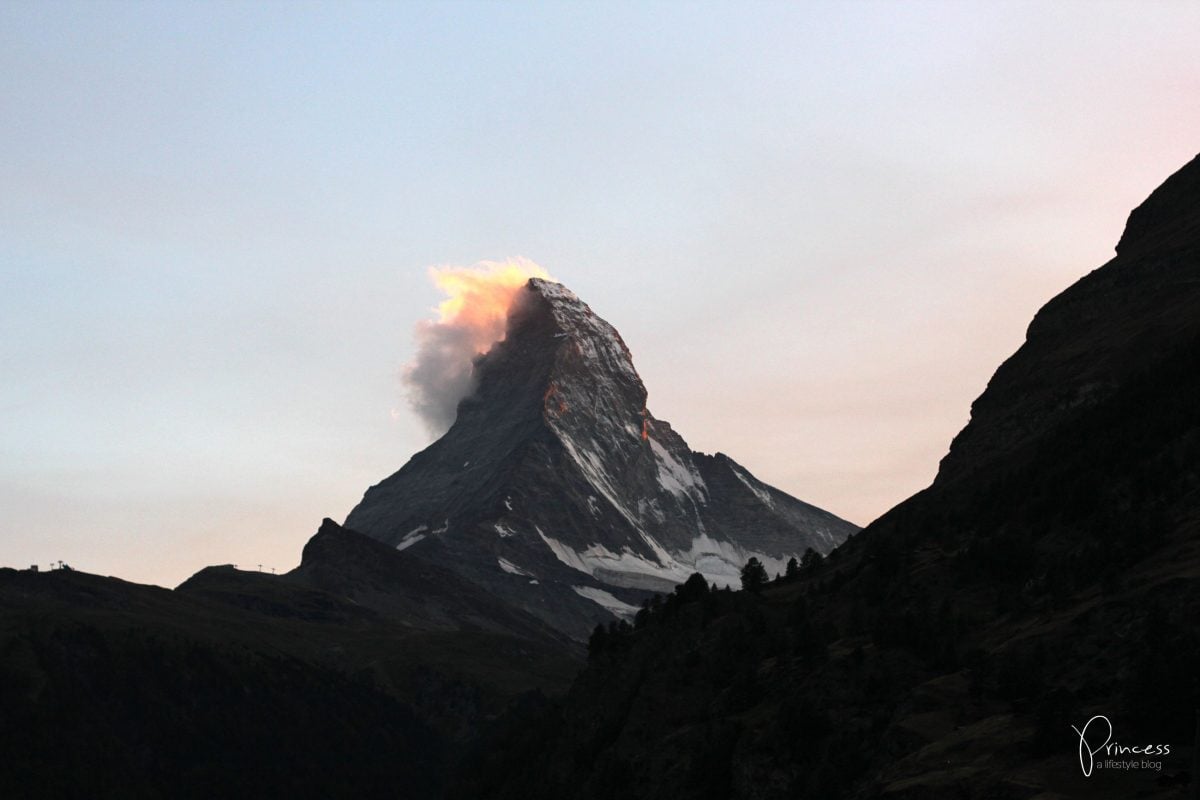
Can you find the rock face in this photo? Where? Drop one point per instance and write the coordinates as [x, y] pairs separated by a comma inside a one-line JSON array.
[[558, 490]]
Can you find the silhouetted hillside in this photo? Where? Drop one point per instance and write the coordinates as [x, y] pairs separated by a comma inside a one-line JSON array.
[[1051, 573], [245, 684], [116, 690]]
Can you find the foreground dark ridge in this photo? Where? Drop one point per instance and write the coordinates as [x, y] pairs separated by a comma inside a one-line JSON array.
[[1050, 574], [360, 674]]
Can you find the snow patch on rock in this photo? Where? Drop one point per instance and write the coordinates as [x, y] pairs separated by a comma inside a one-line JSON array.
[[597, 556], [593, 472], [721, 562], [512, 569], [411, 539], [681, 481], [604, 599], [563, 553], [759, 492]]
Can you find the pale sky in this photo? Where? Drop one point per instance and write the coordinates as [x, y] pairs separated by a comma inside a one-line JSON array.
[[820, 227]]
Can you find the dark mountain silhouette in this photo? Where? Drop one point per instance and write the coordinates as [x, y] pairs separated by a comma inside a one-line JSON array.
[[1051, 573], [361, 673], [557, 490]]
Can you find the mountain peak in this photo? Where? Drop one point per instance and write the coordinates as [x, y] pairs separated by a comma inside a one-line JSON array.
[[554, 291], [592, 375], [589, 341], [557, 489]]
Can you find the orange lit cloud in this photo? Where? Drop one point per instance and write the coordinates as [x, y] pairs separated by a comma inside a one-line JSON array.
[[470, 320]]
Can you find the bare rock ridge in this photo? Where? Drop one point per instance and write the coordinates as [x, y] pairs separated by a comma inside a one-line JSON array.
[[557, 489]]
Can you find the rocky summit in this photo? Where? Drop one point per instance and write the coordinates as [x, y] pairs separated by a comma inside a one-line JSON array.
[[557, 489]]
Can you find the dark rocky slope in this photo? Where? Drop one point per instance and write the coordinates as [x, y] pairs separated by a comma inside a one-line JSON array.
[[1051, 573], [1110, 327], [114, 690], [360, 674]]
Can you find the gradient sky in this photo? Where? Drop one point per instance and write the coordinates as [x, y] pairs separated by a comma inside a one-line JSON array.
[[819, 227]]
